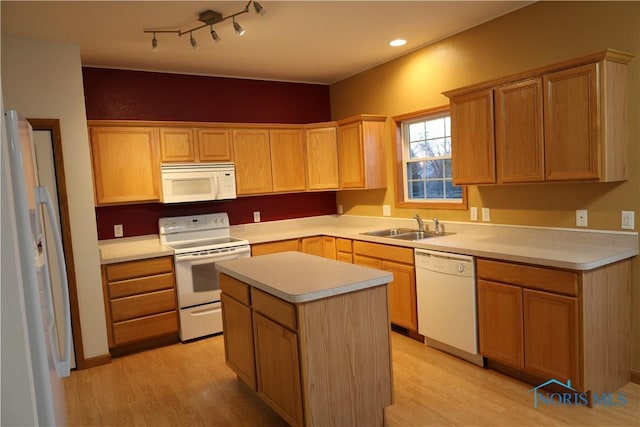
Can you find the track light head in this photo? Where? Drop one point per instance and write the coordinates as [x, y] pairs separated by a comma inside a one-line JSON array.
[[237, 27], [258, 8], [194, 43], [154, 43], [214, 35]]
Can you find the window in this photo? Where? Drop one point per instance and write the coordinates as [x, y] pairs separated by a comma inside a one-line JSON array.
[[424, 157]]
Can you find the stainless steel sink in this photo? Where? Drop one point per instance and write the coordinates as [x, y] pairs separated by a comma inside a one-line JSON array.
[[390, 232], [404, 234]]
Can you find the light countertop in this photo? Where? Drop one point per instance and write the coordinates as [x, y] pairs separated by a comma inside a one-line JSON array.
[[572, 249], [132, 248], [297, 277]]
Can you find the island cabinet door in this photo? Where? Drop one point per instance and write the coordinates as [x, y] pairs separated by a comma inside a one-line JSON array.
[[278, 368], [238, 339]]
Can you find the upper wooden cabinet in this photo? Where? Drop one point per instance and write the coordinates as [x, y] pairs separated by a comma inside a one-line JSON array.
[[361, 152], [183, 144], [564, 122], [269, 160], [472, 141], [287, 159], [519, 132], [321, 147], [214, 145], [252, 153], [126, 164]]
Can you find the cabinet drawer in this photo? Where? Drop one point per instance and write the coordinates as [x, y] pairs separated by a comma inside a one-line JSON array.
[[143, 305], [343, 245], [146, 267], [273, 247], [274, 308], [235, 288], [546, 279], [145, 327], [387, 252], [125, 288]]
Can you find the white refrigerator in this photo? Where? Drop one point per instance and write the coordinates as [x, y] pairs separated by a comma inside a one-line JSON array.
[[35, 351]]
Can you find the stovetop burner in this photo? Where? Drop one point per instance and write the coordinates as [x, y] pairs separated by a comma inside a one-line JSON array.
[[197, 232]]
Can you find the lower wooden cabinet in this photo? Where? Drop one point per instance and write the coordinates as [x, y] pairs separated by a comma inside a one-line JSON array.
[[551, 331], [500, 322], [274, 247], [280, 350], [324, 246], [140, 300], [557, 324], [278, 368], [344, 250], [402, 290]]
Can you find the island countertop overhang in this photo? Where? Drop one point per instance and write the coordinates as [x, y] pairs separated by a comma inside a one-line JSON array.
[[298, 277]]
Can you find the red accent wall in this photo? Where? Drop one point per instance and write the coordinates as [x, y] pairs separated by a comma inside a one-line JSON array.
[[142, 219], [139, 95]]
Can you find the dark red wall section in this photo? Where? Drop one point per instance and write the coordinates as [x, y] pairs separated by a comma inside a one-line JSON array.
[[139, 95], [143, 219]]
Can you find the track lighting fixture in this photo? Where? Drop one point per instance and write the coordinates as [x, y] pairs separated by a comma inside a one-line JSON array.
[[214, 35], [237, 27], [208, 18]]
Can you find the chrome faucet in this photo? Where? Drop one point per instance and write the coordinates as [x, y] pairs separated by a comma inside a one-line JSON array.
[[436, 224], [420, 223]]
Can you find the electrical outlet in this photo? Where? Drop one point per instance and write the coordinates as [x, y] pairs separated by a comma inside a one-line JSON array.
[[256, 216], [473, 213], [340, 209], [581, 218], [386, 210], [118, 231], [486, 215], [628, 220]]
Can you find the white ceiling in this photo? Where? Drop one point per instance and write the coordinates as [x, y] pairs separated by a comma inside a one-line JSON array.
[[299, 41]]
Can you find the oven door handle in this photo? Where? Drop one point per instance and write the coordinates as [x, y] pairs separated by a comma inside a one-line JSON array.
[[204, 259]]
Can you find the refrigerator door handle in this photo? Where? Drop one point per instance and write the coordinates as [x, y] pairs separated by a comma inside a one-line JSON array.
[[62, 362]]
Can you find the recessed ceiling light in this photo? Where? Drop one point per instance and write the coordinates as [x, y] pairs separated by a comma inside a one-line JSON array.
[[397, 42]]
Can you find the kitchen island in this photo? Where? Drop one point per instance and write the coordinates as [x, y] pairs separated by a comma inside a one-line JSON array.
[[310, 335]]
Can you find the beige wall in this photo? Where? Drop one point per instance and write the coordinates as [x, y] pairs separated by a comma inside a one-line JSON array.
[[44, 80], [535, 36]]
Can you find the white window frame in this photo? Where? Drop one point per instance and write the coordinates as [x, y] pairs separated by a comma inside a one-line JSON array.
[[402, 159]]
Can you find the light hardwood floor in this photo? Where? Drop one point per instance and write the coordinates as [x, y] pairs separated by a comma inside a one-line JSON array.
[[190, 385]]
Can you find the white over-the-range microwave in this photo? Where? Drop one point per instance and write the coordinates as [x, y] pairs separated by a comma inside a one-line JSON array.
[[197, 182]]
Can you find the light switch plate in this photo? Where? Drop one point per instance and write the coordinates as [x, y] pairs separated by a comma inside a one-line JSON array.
[[486, 215], [628, 220], [473, 213], [386, 210], [118, 231], [256, 216], [581, 218]]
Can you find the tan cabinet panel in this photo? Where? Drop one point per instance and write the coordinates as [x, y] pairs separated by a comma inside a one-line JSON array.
[[252, 156], [287, 159], [238, 339], [126, 164], [551, 331], [312, 245], [402, 294], [177, 145], [214, 145], [273, 247], [519, 132], [322, 159], [500, 328], [361, 152], [472, 139]]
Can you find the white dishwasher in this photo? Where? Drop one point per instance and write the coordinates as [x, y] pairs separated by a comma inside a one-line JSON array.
[[446, 293]]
